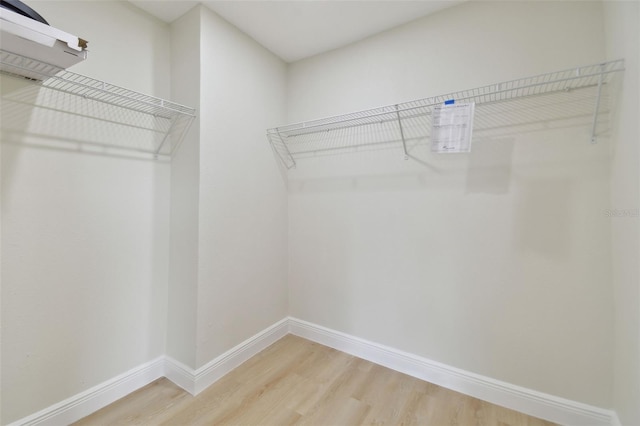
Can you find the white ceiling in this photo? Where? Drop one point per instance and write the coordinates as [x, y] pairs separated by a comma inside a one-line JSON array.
[[297, 29]]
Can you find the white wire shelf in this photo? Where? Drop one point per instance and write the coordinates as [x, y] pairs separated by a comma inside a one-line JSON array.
[[572, 97], [62, 104]]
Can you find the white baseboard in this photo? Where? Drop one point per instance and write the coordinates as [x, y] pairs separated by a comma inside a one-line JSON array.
[[180, 374], [208, 374], [533, 403], [195, 381], [87, 402]]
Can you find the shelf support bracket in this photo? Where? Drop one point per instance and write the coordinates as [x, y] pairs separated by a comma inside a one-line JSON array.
[[164, 139], [293, 162], [404, 143], [275, 133], [594, 138]]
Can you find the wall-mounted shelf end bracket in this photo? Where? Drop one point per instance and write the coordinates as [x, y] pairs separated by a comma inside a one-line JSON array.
[[404, 142], [594, 138], [281, 149]]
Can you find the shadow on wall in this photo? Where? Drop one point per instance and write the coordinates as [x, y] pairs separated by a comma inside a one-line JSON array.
[[489, 169], [85, 246], [543, 218], [37, 116], [9, 86]]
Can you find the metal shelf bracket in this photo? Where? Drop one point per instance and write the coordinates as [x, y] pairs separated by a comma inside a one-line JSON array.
[[404, 142], [594, 138]]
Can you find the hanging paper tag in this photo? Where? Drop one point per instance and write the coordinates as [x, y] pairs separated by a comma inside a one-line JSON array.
[[451, 128]]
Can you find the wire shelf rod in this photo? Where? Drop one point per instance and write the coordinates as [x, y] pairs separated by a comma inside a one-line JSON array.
[[392, 117], [541, 98], [484, 91], [306, 125], [109, 90], [130, 106], [156, 122], [127, 101], [80, 85]]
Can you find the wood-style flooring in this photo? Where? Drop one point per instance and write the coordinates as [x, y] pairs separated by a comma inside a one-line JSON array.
[[296, 381]]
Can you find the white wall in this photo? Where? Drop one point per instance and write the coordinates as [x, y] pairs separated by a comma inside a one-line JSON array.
[[185, 191], [85, 237], [243, 215], [102, 270], [622, 23], [228, 278], [497, 262]]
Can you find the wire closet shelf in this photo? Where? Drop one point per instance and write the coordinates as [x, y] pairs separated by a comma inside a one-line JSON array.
[[102, 114], [543, 98]]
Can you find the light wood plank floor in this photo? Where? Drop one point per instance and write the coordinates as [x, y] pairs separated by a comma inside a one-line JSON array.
[[296, 381]]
